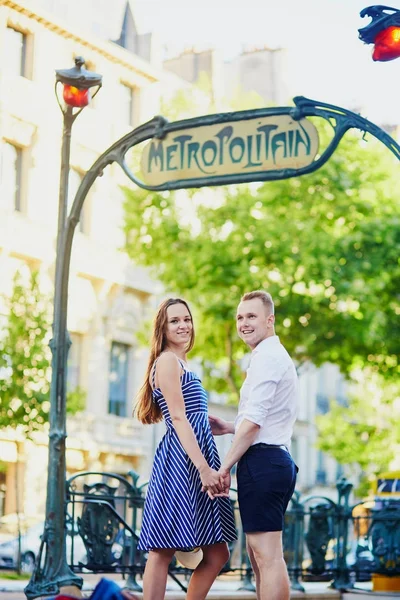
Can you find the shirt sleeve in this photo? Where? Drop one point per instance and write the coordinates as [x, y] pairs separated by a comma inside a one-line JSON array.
[[263, 377]]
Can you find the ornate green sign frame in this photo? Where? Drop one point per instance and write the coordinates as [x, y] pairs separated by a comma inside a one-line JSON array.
[[254, 145]]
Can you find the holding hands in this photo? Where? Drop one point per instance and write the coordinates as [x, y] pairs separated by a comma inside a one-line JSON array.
[[215, 483], [212, 482]]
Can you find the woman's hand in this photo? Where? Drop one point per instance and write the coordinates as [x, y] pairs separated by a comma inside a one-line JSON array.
[[211, 481], [225, 478], [220, 426]]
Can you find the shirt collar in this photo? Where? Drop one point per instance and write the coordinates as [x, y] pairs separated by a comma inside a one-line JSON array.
[[271, 341]]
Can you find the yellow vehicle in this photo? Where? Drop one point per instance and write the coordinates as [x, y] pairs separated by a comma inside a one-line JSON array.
[[387, 485], [387, 498]]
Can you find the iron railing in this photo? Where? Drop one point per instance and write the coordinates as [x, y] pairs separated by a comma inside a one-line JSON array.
[[324, 540]]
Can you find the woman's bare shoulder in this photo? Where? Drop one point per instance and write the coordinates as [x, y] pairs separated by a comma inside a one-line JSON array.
[[168, 359]]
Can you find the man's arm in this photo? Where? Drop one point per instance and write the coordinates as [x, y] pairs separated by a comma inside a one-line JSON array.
[[244, 437], [263, 381], [220, 426]]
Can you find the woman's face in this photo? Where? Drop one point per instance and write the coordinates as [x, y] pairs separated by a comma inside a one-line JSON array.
[[179, 325]]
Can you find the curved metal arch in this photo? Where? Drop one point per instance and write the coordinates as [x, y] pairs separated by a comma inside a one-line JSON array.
[[159, 127]]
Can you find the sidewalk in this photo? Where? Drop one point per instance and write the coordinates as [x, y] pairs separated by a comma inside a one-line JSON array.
[[223, 589]]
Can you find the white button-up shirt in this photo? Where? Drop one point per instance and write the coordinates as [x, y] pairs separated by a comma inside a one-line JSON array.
[[269, 395]]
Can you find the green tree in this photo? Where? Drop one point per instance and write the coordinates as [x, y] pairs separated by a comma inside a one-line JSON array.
[[366, 433], [326, 246], [25, 358]]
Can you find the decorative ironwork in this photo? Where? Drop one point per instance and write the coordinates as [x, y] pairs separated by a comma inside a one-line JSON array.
[[98, 525], [384, 534], [336, 535], [382, 17], [340, 119], [318, 536], [383, 31]]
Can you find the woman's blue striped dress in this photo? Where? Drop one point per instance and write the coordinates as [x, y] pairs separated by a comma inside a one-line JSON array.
[[177, 514]]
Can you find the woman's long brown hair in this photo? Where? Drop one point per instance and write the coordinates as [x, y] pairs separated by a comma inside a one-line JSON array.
[[146, 410]]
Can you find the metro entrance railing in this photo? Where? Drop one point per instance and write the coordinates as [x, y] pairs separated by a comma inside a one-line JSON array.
[[324, 540]]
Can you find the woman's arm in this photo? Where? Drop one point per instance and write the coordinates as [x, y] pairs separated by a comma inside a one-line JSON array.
[[168, 377]]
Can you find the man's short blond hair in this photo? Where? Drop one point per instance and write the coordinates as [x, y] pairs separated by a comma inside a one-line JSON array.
[[265, 298]]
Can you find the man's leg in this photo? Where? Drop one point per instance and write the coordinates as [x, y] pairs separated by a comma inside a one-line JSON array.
[[255, 569], [267, 552]]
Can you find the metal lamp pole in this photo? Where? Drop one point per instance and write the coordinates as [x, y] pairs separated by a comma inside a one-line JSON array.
[[55, 572]]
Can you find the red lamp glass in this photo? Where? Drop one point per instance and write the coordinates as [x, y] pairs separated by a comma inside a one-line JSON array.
[[77, 85], [387, 44], [75, 97]]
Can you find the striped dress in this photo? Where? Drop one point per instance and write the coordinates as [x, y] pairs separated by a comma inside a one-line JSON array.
[[177, 514]]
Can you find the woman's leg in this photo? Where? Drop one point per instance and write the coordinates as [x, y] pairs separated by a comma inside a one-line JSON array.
[[156, 573], [214, 558]]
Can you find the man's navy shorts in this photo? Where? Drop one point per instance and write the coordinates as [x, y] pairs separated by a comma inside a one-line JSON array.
[[266, 478]]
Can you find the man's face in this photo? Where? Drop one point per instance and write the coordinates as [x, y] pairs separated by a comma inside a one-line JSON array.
[[253, 322]]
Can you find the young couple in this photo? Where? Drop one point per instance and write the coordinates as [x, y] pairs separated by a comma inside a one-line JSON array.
[[187, 504]]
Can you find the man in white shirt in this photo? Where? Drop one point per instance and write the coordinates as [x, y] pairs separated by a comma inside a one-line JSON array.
[[266, 473]]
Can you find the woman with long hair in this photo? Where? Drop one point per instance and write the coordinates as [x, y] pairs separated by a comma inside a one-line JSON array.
[[180, 512]]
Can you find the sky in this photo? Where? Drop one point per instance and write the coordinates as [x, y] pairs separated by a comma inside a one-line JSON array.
[[327, 61]]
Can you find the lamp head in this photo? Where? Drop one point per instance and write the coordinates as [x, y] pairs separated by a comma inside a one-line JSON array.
[[77, 83]]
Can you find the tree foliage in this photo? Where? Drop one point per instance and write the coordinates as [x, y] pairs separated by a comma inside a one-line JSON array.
[[25, 358], [366, 433], [326, 246]]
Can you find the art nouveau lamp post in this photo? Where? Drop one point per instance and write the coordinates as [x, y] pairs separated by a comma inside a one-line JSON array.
[[383, 31], [48, 578]]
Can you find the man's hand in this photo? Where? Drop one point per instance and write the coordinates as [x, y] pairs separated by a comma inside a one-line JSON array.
[[225, 475], [212, 482], [225, 479], [220, 426]]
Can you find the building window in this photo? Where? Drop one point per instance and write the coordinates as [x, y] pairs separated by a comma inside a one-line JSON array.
[[339, 471], [16, 46], [130, 104], [3, 490], [74, 181], [11, 176], [322, 404], [118, 379], [320, 477], [74, 362]]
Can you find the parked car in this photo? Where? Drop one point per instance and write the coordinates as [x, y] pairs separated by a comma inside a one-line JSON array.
[[30, 545]]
